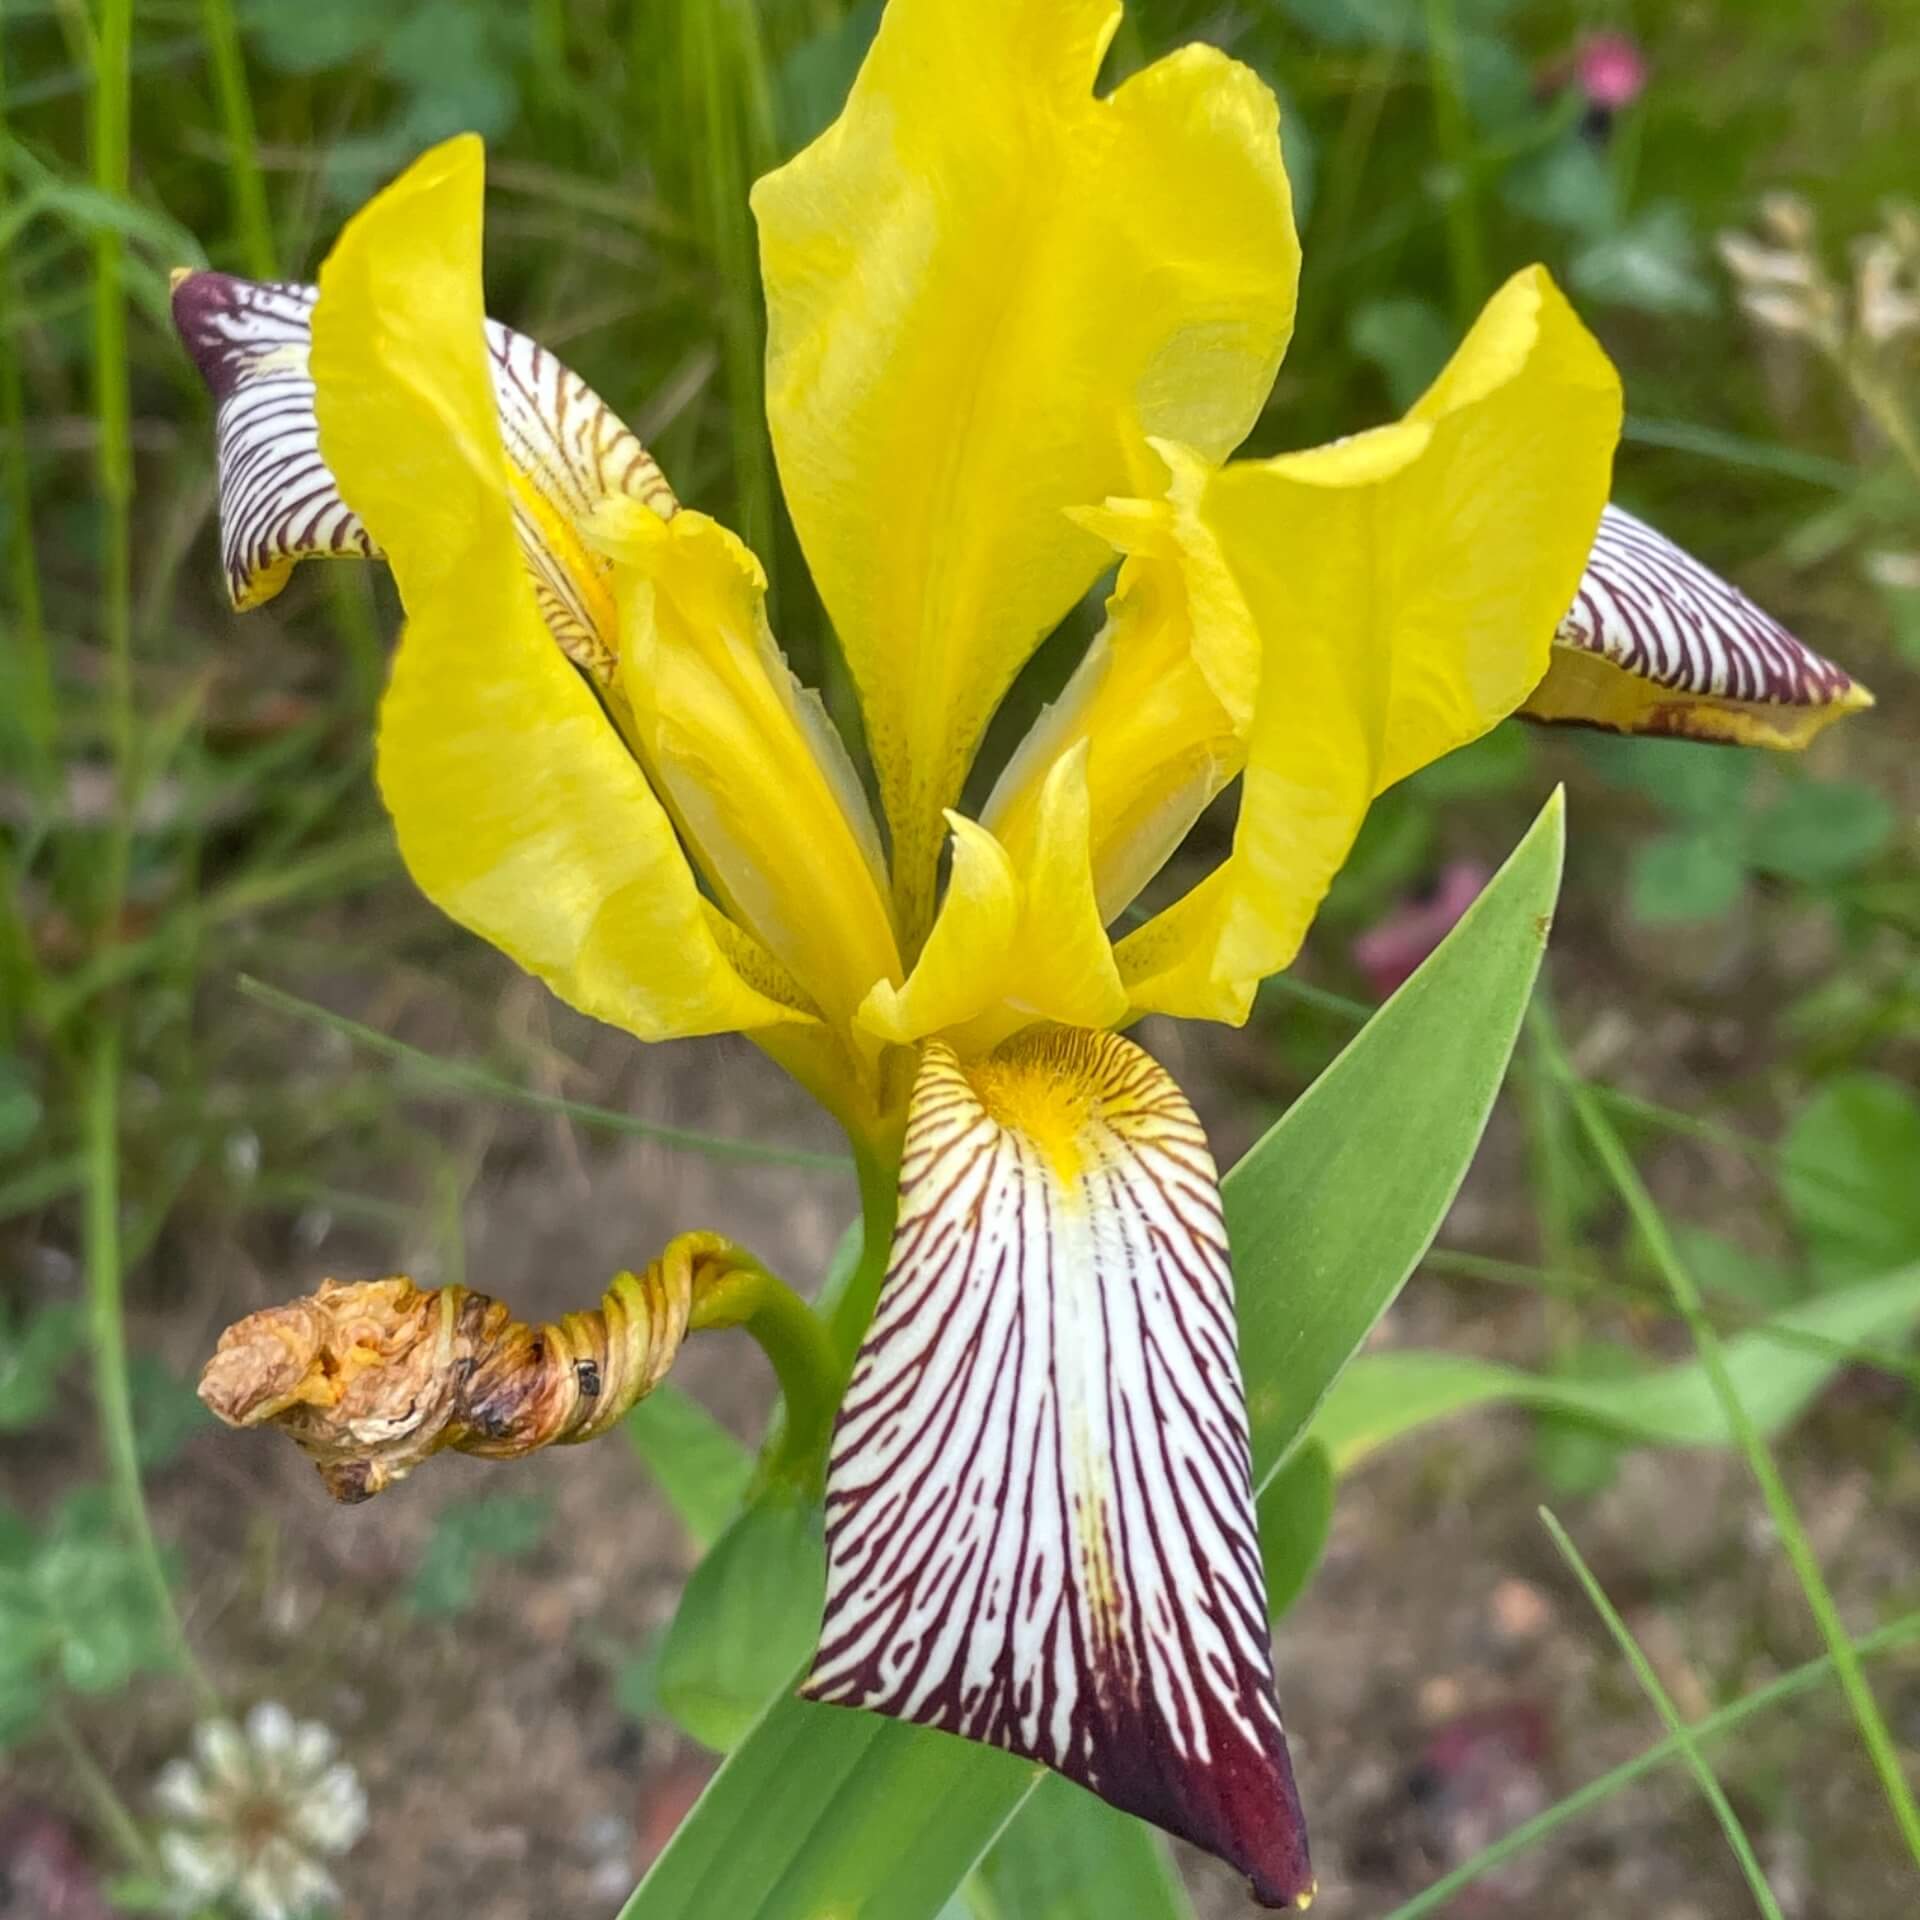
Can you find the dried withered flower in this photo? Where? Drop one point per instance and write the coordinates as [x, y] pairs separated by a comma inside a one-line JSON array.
[[370, 1377]]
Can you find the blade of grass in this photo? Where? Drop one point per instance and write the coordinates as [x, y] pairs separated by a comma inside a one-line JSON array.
[[112, 54], [729, 110], [1735, 450], [30, 674], [1630, 1106], [107, 1341], [344, 867], [1733, 1315], [461, 1077], [1643, 1671], [1652, 1228], [245, 182], [1803, 1679], [1466, 251], [42, 1184]]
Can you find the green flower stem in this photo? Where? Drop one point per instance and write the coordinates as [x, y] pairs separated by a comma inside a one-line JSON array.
[[244, 178], [1898, 1633], [1647, 1220], [113, 1814], [878, 1172], [1663, 1705], [107, 1339], [795, 1339]]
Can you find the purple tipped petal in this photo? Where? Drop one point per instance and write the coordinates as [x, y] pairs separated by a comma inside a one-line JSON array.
[[279, 504], [1040, 1523], [1656, 643]]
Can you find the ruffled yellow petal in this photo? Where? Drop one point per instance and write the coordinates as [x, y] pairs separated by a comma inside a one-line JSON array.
[[1016, 939], [519, 810], [1400, 591], [1161, 740], [985, 289], [752, 767], [964, 962]]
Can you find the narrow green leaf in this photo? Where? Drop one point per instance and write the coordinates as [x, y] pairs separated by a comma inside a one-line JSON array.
[[32, 1353], [1385, 1395], [1296, 1515], [1643, 1671], [1068, 1856], [824, 1811], [819, 1811], [461, 1076], [1321, 1244]]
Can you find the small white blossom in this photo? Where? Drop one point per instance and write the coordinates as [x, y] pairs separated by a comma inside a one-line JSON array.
[[256, 1812], [1759, 266], [1886, 291]]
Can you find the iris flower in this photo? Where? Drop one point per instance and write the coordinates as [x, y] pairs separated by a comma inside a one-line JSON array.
[[1015, 331]]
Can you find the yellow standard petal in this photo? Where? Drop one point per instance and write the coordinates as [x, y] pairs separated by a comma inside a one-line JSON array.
[[757, 777], [985, 290], [1161, 706], [1400, 592], [519, 809]]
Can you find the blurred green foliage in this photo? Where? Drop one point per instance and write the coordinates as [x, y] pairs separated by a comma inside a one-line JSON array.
[[467, 1536]]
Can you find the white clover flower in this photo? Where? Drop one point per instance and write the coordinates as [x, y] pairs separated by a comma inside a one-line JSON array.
[[256, 1812]]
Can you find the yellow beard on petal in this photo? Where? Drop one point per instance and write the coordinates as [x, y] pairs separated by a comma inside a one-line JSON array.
[[1046, 1090]]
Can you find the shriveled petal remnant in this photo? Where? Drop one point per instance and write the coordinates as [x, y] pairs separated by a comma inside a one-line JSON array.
[[1657, 643], [1040, 1526], [370, 1377]]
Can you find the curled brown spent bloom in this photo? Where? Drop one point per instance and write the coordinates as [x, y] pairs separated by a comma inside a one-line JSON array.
[[370, 1377]]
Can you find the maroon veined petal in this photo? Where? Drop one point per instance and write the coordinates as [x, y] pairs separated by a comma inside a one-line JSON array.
[[278, 503], [1040, 1526], [1656, 643], [566, 452]]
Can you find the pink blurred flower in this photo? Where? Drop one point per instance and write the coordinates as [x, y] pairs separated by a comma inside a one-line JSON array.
[[1389, 951], [1610, 70]]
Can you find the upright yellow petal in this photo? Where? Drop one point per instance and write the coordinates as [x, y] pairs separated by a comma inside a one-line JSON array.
[[963, 967], [519, 810], [757, 777], [1400, 591], [985, 290], [1162, 736], [1016, 939]]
